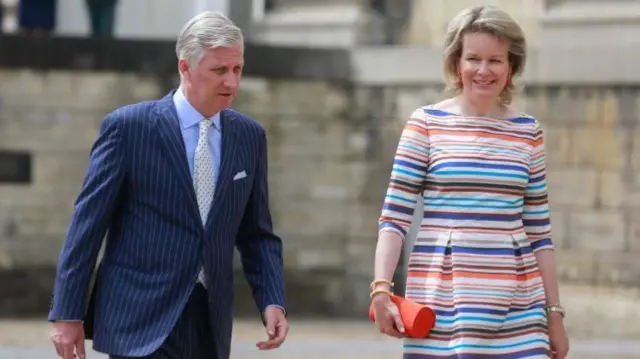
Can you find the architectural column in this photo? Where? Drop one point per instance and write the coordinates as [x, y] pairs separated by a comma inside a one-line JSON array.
[[592, 24], [319, 23]]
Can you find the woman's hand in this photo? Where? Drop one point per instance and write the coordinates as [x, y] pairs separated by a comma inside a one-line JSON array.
[[557, 336], [387, 316]]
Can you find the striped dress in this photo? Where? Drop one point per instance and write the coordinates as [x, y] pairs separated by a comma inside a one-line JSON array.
[[485, 215]]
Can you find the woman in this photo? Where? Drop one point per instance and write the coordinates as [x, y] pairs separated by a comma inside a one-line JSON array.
[[483, 258]]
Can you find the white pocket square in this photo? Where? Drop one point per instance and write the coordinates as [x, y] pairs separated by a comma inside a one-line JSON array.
[[240, 175]]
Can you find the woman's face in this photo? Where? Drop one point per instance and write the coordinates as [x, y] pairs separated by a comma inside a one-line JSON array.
[[484, 66]]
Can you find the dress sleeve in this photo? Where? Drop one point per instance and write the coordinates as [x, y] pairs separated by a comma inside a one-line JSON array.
[[407, 177], [535, 215]]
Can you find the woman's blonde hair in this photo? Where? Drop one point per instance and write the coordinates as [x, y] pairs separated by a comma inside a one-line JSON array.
[[486, 19]]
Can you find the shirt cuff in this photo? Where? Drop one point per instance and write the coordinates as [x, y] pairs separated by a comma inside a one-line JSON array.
[[278, 306]]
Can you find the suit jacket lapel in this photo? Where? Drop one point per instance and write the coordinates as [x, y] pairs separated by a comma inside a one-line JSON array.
[[228, 154], [168, 126]]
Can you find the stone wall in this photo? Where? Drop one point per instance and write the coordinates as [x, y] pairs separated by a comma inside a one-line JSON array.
[[593, 155], [593, 144], [331, 151], [55, 117], [329, 165], [331, 147], [320, 174]]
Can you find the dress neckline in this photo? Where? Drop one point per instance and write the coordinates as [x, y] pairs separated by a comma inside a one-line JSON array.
[[438, 112]]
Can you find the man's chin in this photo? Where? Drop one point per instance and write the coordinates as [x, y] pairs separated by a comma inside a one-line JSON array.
[[225, 101]]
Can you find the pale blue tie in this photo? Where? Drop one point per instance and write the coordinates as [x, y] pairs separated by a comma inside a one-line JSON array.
[[204, 180]]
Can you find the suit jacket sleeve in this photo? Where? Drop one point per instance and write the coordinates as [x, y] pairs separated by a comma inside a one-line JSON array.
[[93, 211], [260, 249]]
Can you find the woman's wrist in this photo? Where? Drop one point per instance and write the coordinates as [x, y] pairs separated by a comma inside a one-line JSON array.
[[381, 288], [555, 309], [381, 284], [380, 293]]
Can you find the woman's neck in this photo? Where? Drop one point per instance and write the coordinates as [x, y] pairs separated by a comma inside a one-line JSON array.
[[476, 108]]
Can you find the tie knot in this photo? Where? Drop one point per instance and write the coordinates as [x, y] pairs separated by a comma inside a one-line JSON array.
[[205, 124]]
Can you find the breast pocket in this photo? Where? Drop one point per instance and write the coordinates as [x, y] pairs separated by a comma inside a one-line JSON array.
[[238, 189], [241, 180]]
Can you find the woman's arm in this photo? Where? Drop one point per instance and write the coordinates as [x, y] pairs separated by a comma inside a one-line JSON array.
[[537, 223], [407, 177], [388, 251], [547, 263], [537, 220]]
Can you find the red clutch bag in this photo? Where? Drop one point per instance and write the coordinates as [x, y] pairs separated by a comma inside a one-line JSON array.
[[418, 319]]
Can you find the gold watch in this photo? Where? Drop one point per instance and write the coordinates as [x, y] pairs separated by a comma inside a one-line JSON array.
[[555, 308]]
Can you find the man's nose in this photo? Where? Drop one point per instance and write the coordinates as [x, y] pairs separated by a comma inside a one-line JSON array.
[[232, 81]]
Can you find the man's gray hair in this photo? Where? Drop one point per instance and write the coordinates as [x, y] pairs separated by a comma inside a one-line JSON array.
[[206, 31]]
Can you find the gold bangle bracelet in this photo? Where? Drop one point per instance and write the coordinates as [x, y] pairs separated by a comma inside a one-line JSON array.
[[375, 283], [554, 308], [379, 291]]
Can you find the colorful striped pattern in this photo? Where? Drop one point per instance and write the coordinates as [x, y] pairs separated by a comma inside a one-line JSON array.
[[485, 215]]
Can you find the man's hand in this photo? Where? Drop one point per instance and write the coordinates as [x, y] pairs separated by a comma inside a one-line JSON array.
[[277, 328], [68, 339]]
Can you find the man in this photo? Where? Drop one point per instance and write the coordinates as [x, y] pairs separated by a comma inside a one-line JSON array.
[[175, 184]]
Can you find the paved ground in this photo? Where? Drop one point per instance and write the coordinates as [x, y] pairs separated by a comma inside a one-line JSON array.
[[308, 340]]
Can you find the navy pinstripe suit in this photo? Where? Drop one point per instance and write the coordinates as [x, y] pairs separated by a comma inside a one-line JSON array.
[[138, 190]]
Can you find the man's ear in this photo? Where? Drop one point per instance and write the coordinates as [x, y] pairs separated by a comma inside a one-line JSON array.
[[183, 66]]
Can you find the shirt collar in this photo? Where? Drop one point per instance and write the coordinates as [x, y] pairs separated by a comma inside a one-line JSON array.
[[187, 114]]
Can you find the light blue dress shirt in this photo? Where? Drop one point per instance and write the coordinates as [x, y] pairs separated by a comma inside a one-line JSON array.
[[189, 119]]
